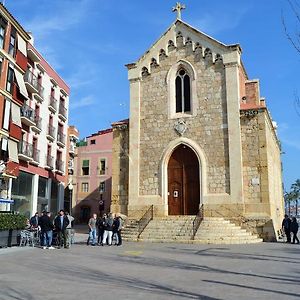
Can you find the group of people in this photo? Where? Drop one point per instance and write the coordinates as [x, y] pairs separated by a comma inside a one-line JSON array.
[[290, 225], [61, 225], [106, 229]]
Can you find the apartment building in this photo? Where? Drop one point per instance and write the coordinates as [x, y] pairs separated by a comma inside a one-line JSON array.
[[34, 102], [93, 172], [72, 139]]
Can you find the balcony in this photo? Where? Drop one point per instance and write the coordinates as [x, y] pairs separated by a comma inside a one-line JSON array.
[[49, 162], [59, 165], [61, 138], [39, 96], [31, 82], [62, 112], [37, 127], [25, 151], [35, 156], [51, 133], [52, 104], [72, 148], [27, 115]]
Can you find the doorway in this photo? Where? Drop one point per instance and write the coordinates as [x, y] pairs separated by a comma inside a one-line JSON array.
[[183, 182]]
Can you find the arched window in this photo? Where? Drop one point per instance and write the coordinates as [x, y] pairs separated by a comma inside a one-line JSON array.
[[183, 92]]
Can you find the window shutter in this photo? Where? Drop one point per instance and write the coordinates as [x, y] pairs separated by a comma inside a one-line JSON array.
[[13, 151], [21, 83], [22, 45], [85, 163], [16, 114]]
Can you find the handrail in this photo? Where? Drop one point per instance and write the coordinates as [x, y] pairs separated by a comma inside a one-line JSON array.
[[197, 221], [145, 220]]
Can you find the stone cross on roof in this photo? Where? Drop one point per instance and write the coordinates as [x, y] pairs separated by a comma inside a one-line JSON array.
[[178, 8]]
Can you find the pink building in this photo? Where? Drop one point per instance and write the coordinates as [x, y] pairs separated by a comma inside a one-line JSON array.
[[93, 173]]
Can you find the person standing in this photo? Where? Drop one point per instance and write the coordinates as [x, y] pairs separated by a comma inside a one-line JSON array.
[[108, 228], [286, 227], [93, 230], [119, 224], [34, 221], [69, 227], [100, 226], [61, 222], [294, 230], [46, 230], [115, 230]]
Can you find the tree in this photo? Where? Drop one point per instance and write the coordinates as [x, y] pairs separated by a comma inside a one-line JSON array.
[[288, 198], [296, 193]]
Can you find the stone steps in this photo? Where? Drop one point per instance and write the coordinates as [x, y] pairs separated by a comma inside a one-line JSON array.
[[179, 229]]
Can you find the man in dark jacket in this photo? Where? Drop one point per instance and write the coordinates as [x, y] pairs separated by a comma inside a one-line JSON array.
[[108, 227], [286, 227], [46, 230], [34, 221], [294, 230], [61, 223]]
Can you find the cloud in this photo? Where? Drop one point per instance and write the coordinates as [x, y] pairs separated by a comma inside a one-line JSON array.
[[84, 102], [66, 14], [220, 20]]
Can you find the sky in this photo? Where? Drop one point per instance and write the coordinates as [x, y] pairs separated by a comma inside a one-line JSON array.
[[88, 42]]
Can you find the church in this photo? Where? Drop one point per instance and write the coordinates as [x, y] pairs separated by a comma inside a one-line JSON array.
[[200, 138]]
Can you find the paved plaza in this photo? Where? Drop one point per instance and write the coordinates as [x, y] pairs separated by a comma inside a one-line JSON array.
[[152, 271]]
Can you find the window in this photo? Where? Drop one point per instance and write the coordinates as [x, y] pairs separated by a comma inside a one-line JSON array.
[[3, 24], [10, 79], [102, 187], [85, 187], [6, 114], [183, 92], [85, 167], [93, 142], [12, 42], [102, 166]]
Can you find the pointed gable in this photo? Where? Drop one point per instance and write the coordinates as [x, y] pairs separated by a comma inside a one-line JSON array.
[[179, 34]]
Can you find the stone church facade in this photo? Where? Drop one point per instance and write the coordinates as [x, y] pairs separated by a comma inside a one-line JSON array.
[[199, 136]]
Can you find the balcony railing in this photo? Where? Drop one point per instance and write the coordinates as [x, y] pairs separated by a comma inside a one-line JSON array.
[[50, 161], [34, 82], [62, 111], [36, 155], [61, 137], [26, 149], [51, 131], [59, 165], [38, 122], [53, 102], [28, 113]]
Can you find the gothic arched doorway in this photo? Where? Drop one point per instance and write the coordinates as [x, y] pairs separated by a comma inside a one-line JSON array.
[[183, 182]]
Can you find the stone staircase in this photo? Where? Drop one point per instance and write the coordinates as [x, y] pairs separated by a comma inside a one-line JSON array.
[[221, 231], [169, 229], [179, 229]]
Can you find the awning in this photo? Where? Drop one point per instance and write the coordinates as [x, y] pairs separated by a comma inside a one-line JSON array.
[[13, 151], [22, 45], [7, 201], [21, 83], [16, 114]]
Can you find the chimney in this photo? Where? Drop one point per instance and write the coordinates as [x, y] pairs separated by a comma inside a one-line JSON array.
[[31, 37]]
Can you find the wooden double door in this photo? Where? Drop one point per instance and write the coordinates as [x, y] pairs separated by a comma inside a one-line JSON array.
[[183, 182]]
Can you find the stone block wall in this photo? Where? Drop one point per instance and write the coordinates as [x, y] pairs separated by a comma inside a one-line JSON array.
[[120, 167], [207, 127]]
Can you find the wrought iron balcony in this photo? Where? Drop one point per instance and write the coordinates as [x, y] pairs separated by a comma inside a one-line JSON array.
[[52, 103], [59, 165], [25, 151], [50, 161], [27, 115], [62, 112], [61, 138], [31, 81], [38, 122], [51, 132], [36, 155]]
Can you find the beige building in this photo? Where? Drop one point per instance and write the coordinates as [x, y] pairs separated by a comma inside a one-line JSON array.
[[199, 136]]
